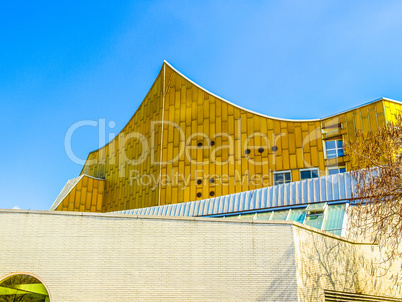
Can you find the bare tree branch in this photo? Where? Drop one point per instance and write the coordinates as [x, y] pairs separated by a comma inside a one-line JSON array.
[[376, 158]]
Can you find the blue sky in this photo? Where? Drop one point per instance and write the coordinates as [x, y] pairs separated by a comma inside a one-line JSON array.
[[66, 61]]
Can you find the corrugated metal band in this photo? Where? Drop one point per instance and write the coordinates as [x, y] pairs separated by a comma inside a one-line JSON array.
[[327, 188]]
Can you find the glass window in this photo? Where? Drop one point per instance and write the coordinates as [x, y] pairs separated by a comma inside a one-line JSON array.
[[334, 220], [330, 144], [334, 148], [281, 178], [230, 216], [280, 215], [336, 170], [315, 214], [297, 215], [308, 173], [23, 288], [316, 207], [264, 215], [315, 220], [247, 216]]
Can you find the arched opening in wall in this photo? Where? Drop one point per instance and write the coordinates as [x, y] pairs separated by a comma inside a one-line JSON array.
[[22, 288]]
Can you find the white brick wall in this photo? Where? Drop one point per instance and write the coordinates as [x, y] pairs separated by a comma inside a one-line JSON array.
[[333, 263], [108, 257], [98, 257]]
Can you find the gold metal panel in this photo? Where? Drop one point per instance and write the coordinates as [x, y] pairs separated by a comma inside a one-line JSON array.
[[176, 102]]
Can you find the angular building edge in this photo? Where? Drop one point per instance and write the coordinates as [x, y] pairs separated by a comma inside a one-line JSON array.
[[83, 193], [174, 98]]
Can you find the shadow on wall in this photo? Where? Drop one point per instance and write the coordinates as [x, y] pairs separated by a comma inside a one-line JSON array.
[[278, 290], [324, 262]]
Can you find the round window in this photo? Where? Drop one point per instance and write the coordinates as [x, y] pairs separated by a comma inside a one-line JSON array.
[[24, 288]]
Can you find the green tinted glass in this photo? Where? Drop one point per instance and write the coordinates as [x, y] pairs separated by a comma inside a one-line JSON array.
[[264, 215], [297, 215], [247, 216], [280, 215], [335, 216], [315, 220], [316, 206]]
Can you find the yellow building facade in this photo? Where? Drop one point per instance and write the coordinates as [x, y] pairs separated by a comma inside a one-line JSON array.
[[185, 143]]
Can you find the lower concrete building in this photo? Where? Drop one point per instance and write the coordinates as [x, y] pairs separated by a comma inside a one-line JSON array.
[[125, 257], [282, 243]]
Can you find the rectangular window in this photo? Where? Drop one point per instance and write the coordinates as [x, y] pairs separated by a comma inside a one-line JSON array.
[[336, 170], [264, 215], [297, 215], [315, 220], [334, 220], [281, 177], [280, 215], [247, 216], [334, 148], [308, 173], [315, 214]]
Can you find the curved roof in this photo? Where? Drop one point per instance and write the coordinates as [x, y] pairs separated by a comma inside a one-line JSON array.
[[239, 107], [272, 117]]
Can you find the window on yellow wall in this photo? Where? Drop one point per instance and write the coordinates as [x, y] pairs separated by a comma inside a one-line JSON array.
[[336, 170], [282, 177], [308, 173], [334, 148]]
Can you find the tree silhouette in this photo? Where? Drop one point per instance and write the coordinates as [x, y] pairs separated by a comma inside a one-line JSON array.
[[376, 158]]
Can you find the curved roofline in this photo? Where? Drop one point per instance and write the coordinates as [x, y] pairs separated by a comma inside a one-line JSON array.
[[138, 108], [237, 106], [272, 117]]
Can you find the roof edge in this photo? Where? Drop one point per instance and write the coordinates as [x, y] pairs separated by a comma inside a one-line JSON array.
[[78, 178], [272, 117], [235, 105], [362, 105]]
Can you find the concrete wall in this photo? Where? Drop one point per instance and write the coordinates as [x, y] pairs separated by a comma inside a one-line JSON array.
[[108, 257], [333, 263], [99, 257]]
